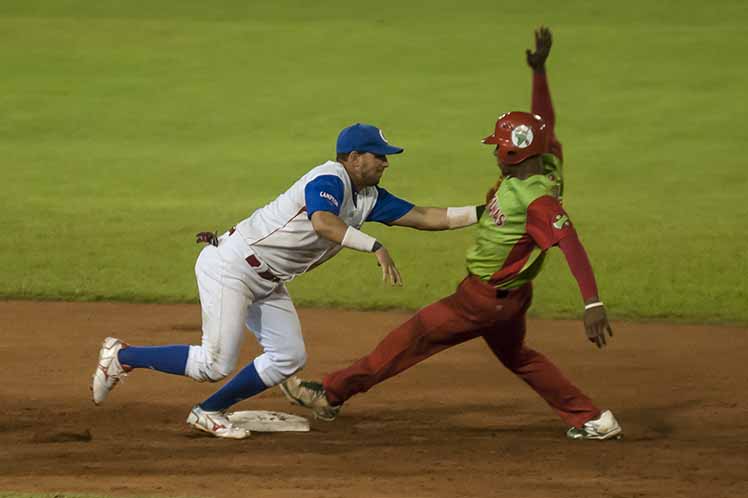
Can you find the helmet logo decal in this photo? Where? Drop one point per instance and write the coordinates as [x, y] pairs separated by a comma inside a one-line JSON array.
[[522, 136], [382, 135]]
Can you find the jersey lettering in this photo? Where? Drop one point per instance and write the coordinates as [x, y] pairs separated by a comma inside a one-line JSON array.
[[494, 209], [329, 197], [324, 193]]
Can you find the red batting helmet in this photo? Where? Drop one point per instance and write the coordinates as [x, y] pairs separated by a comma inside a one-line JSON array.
[[519, 135]]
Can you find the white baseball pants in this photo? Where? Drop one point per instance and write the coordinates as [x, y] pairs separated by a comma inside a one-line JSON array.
[[233, 295]]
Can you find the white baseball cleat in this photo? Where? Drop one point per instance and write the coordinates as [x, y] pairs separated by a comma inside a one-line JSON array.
[[215, 423], [603, 427], [309, 394], [109, 371]]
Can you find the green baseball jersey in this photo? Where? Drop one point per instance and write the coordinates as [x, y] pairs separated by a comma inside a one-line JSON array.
[[522, 221]]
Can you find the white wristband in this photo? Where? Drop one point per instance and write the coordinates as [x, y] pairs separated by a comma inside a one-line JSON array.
[[358, 240], [458, 217], [593, 305]]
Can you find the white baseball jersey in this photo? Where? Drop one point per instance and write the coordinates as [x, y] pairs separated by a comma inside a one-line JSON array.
[[281, 234]]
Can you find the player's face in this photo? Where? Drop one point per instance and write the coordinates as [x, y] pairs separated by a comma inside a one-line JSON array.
[[503, 168], [372, 168]]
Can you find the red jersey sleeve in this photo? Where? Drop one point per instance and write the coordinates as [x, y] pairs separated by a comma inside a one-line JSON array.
[[547, 222], [543, 106], [548, 225], [579, 264]]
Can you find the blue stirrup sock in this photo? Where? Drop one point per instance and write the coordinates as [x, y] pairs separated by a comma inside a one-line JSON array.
[[168, 359], [246, 384]]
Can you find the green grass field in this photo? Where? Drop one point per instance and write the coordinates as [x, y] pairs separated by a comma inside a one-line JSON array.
[[129, 126]]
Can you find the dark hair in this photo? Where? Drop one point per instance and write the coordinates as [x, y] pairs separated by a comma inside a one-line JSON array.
[[342, 156]]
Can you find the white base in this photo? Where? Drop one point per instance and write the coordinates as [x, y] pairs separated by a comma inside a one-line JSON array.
[[265, 421]]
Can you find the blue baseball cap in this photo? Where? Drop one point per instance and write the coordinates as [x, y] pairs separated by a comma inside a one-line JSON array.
[[364, 138]]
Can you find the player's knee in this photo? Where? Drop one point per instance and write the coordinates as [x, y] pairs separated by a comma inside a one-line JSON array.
[[515, 359], [204, 366], [281, 363], [424, 331], [290, 362], [213, 373], [510, 363]]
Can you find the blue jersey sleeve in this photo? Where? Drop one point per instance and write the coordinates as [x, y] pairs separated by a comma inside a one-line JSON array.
[[324, 193], [388, 208]]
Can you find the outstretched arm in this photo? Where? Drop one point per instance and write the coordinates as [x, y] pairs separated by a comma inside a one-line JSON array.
[[541, 93], [430, 218], [392, 210]]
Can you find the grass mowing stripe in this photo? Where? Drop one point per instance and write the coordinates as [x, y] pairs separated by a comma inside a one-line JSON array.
[[127, 127]]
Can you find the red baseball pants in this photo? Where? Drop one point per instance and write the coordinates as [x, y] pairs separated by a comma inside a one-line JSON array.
[[474, 310]]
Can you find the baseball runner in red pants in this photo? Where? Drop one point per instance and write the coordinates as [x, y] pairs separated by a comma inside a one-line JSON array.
[[522, 220]]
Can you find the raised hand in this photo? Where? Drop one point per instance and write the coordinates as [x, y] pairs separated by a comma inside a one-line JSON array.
[[543, 42]]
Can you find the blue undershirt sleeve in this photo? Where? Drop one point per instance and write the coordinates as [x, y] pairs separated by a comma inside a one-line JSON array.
[[388, 208], [324, 193]]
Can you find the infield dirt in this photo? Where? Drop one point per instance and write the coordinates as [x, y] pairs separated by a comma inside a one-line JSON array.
[[456, 425]]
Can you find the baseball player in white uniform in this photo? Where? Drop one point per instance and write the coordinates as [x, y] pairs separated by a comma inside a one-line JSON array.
[[241, 277]]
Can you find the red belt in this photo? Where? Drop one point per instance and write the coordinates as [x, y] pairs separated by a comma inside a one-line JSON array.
[[267, 274]]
